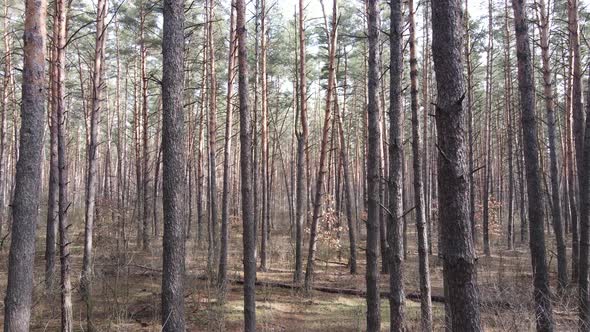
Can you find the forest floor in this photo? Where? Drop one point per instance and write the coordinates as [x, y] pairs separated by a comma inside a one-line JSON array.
[[127, 282]]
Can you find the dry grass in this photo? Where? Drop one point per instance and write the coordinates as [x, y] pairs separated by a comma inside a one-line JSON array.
[[127, 289]]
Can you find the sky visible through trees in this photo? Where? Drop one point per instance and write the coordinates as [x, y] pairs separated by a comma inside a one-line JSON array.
[[297, 165]]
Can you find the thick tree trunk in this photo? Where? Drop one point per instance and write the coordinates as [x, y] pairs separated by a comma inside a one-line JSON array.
[[249, 231], [458, 253], [25, 205], [173, 168], [542, 294]]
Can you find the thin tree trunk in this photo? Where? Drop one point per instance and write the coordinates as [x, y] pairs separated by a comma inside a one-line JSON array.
[[348, 191], [424, 271], [222, 276], [92, 154], [317, 201], [543, 13], [67, 323], [373, 179]]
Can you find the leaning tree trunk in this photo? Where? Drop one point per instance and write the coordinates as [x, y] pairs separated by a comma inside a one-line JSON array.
[[317, 201], [458, 252], [25, 205], [542, 294], [394, 221], [246, 175], [173, 167]]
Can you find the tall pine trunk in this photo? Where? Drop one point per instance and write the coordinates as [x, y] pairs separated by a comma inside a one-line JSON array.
[[542, 294], [457, 251], [25, 205]]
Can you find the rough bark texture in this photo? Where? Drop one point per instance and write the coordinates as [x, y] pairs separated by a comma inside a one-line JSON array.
[[373, 179], [25, 205], [542, 294], [394, 220], [246, 175], [458, 253], [173, 167]]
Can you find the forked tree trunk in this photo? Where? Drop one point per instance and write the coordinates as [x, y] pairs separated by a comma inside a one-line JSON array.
[[542, 294], [25, 205], [458, 252]]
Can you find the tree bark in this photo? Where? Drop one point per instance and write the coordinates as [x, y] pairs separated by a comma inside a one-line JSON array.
[[173, 167], [25, 205], [246, 175], [395, 223], [542, 294], [373, 179], [458, 253]]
